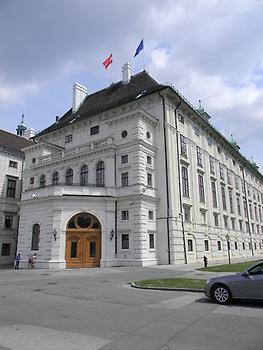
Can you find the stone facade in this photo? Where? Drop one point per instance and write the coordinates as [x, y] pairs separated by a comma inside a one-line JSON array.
[[165, 186]]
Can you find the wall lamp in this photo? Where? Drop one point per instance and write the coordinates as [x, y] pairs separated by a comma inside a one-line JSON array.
[[112, 234], [55, 234]]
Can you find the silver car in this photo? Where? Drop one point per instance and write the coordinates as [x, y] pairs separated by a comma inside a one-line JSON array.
[[242, 285]]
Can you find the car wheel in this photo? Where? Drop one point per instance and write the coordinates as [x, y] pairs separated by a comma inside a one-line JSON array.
[[221, 294]]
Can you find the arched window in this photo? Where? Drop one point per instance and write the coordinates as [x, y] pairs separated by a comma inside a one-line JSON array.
[[69, 177], [84, 175], [42, 181], [35, 237], [100, 173], [55, 178]]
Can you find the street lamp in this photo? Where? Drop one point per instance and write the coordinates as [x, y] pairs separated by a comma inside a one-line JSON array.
[[228, 247]]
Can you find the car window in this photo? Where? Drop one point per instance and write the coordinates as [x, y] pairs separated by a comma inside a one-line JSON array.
[[256, 270]]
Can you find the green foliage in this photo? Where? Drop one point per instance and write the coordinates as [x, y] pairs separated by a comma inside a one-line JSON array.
[[239, 267], [172, 283]]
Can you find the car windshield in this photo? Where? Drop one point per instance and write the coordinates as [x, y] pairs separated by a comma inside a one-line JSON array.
[[256, 270]]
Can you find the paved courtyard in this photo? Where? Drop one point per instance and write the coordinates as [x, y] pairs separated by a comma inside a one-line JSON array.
[[97, 309]]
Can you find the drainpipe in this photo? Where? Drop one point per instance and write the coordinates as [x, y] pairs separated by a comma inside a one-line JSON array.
[[179, 180], [248, 212], [116, 209], [167, 182]]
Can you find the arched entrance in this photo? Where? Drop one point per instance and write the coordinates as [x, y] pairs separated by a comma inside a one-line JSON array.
[[83, 241]]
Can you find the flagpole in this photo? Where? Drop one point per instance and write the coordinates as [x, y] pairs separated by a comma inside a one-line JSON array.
[[143, 66]]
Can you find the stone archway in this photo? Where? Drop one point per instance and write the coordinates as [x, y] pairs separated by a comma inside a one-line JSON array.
[[83, 241]]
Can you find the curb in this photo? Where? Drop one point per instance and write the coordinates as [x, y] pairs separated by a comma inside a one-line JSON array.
[[193, 290]]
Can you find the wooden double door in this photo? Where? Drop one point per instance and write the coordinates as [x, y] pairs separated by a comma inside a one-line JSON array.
[[83, 248]]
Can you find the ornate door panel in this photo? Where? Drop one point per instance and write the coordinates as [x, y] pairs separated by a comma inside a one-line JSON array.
[[83, 242]]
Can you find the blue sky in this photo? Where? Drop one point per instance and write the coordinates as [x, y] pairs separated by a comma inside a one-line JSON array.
[[208, 49]]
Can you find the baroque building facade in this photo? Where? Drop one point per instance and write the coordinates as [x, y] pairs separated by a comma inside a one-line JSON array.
[[11, 166], [135, 175]]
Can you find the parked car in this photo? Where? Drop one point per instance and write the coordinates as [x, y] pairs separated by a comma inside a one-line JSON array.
[[242, 285]]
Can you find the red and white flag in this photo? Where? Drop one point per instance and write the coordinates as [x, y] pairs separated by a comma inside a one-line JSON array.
[[108, 61]]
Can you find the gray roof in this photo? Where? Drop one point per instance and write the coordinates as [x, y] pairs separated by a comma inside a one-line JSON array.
[[12, 142], [117, 94]]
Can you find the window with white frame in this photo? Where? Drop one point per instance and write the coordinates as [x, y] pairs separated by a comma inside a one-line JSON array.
[[199, 156], [185, 184], [151, 240], [149, 160], [13, 164], [206, 243], [214, 197], [124, 159], [125, 214], [124, 179], [219, 245], [149, 180], [201, 188], [183, 145], [150, 215], [187, 213], [68, 138], [125, 241], [190, 245]]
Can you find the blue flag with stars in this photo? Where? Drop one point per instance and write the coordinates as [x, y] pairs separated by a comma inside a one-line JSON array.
[[139, 48]]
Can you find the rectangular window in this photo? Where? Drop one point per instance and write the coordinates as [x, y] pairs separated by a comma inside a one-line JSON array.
[[68, 138], [149, 160], [190, 245], [245, 208], [221, 172], [124, 159], [151, 241], [238, 206], [95, 130], [187, 214], [243, 244], [201, 188], [183, 145], [92, 249], [212, 165], [150, 215], [247, 226], [11, 188], [216, 221], [209, 141], [13, 164], [206, 245], [213, 187], [125, 241], [199, 156], [219, 246], [235, 245], [240, 225], [250, 211], [8, 221], [197, 132], [225, 221], [149, 180], [237, 183], [181, 118], [185, 184], [32, 180], [5, 249], [125, 214], [203, 216], [228, 174], [231, 205], [124, 179], [223, 197], [233, 223]]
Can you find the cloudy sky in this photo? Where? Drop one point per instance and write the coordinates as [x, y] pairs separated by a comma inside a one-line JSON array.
[[208, 49]]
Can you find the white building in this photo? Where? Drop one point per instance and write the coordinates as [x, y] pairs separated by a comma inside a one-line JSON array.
[[11, 165], [134, 175]]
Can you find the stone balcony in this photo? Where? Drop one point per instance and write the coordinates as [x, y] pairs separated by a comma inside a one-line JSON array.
[[66, 190]]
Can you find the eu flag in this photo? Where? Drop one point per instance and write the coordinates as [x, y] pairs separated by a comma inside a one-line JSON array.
[[139, 48]]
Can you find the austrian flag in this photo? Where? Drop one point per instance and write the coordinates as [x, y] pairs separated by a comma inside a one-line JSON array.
[[108, 61]]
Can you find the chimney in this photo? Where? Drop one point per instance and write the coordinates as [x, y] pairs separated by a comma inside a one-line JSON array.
[[126, 73], [79, 94]]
